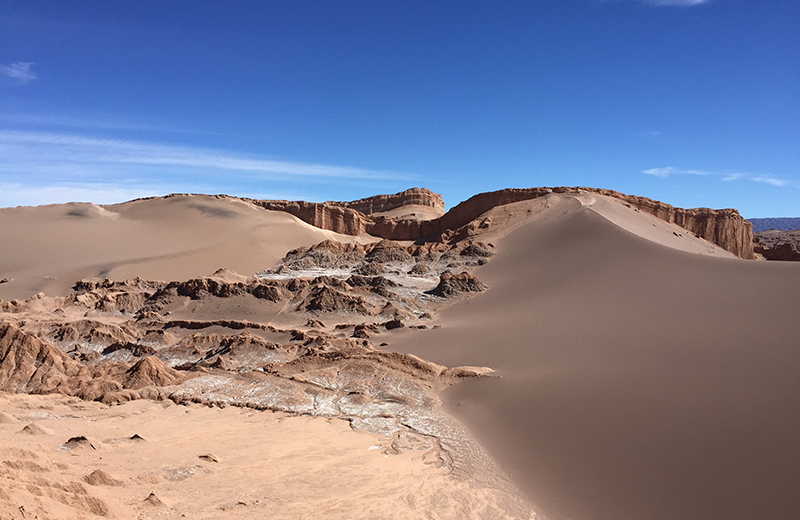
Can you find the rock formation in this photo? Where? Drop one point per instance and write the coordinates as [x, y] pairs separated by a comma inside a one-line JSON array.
[[115, 341], [29, 365], [724, 227], [778, 245], [381, 203], [454, 284]]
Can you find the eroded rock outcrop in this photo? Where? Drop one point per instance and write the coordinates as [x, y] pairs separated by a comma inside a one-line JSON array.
[[29, 365], [724, 227], [454, 284], [778, 245], [785, 252], [150, 371], [410, 197]]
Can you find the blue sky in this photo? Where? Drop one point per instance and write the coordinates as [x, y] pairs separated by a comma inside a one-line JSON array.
[[693, 102]]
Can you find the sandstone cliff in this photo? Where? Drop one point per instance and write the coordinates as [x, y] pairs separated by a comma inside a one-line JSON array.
[[724, 227], [410, 197]]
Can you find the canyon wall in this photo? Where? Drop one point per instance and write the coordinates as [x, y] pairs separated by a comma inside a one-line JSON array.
[[379, 203], [724, 227]]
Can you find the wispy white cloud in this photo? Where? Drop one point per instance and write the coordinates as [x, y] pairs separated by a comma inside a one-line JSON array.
[[664, 3], [50, 167], [724, 176], [19, 72], [684, 3], [98, 122], [54, 149], [770, 180], [669, 170]]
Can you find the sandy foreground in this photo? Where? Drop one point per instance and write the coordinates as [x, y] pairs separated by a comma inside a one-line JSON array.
[[198, 462]]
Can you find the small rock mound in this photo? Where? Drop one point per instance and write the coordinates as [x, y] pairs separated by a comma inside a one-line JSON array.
[[387, 251], [78, 442], [326, 299], [150, 371], [454, 284], [476, 249], [35, 429], [209, 457], [153, 500], [99, 477]]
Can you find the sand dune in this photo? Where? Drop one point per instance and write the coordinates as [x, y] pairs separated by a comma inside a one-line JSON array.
[[49, 248], [638, 381]]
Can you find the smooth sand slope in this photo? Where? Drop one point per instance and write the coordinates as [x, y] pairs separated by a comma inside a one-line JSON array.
[[638, 381], [173, 238]]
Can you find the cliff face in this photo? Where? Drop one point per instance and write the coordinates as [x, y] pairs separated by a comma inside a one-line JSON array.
[[724, 227], [379, 203]]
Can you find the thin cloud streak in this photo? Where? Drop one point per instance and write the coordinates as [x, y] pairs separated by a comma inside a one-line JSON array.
[[683, 3], [771, 180], [664, 3], [665, 172], [669, 170], [20, 72], [100, 122], [52, 149]]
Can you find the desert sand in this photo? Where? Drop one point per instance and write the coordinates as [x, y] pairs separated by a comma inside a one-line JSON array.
[[557, 353], [49, 248], [637, 381], [153, 460]]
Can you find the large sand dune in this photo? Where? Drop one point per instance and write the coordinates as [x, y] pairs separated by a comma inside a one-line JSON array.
[[638, 381], [49, 248]]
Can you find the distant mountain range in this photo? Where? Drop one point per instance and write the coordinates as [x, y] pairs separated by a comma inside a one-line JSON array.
[[781, 224]]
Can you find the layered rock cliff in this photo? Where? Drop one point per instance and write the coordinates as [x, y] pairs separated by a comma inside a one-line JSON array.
[[381, 203], [724, 227]]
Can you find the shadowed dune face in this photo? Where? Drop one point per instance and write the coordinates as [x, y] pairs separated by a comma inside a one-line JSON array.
[[638, 382]]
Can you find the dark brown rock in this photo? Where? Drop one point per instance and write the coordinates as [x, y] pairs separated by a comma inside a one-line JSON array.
[[454, 284]]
